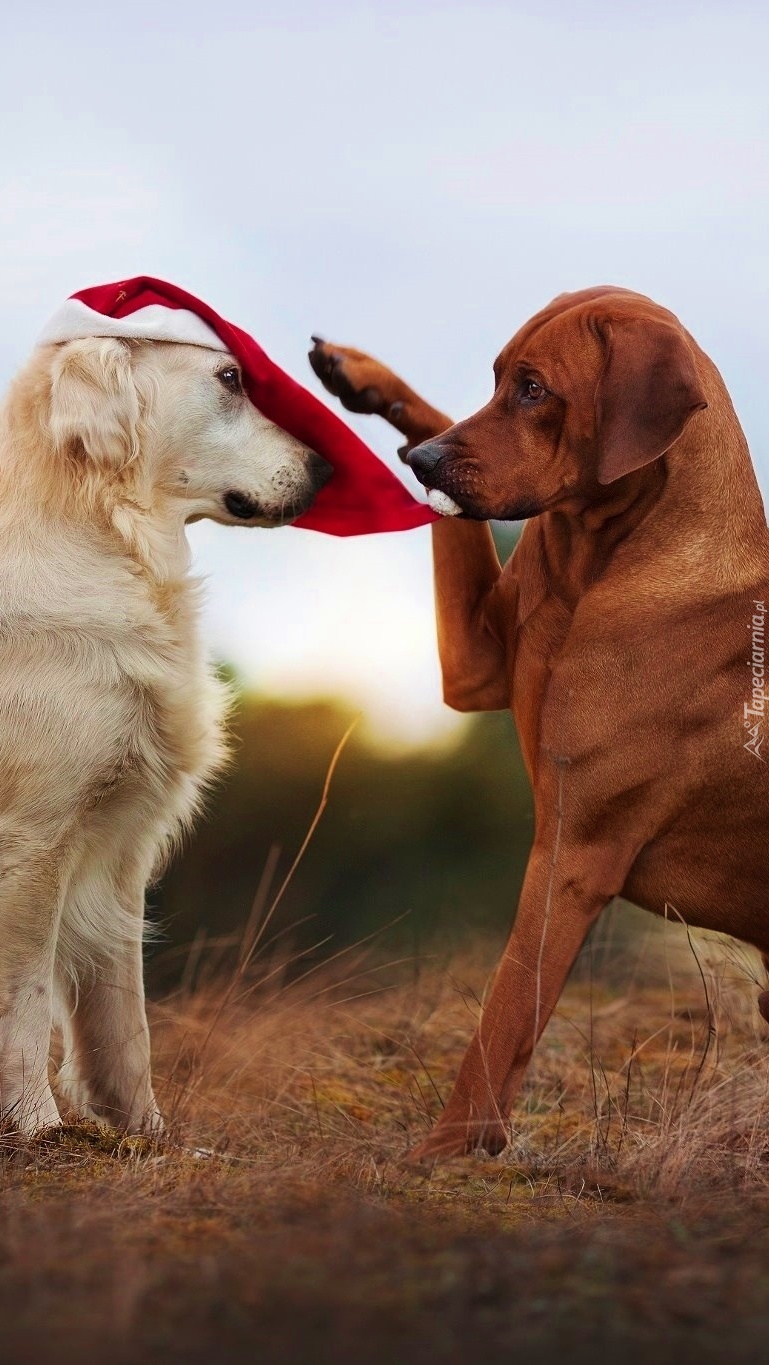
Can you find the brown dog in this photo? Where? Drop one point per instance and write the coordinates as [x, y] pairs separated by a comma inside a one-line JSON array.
[[626, 632]]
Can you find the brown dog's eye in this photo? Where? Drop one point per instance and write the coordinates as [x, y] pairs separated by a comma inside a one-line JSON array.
[[230, 378], [532, 390]]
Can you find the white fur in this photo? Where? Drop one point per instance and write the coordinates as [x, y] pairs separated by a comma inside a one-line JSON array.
[[443, 504], [110, 716], [155, 322]]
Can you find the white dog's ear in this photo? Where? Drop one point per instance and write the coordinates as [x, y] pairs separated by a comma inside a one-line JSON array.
[[94, 401]]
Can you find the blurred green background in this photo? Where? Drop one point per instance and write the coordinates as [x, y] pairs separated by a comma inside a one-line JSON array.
[[433, 838]]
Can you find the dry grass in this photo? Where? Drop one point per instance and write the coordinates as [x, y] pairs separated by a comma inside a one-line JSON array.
[[629, 1212], [657, 1079]]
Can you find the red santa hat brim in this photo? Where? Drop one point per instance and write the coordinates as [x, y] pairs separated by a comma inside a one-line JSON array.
[[363, 496]]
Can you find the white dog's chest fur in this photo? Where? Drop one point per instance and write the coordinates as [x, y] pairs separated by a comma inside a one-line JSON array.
[[107, 681]]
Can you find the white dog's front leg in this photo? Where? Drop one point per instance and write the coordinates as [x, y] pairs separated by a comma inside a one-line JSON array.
[[29, 905], [106, 1068], [26, 1099]]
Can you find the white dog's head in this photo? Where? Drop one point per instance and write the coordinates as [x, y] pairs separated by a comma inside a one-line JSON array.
[[174, 420]]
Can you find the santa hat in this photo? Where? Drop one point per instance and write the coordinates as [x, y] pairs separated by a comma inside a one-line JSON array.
[[363, 496]]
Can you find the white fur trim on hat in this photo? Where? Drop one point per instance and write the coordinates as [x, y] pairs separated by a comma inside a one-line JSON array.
[[154, 323]]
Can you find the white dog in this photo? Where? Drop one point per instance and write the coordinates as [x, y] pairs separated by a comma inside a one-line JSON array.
[[111, 718]]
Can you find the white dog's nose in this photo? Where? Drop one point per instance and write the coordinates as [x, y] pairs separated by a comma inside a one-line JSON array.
[[240, 505], [320, 472]]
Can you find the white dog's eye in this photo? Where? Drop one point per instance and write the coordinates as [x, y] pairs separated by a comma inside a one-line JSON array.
[[230, 378]]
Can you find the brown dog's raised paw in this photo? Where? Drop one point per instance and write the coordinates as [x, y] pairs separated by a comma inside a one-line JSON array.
[[345, 373], [363, 384]]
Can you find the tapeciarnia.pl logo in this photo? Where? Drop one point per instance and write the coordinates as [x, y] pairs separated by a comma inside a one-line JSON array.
[[754, 711]]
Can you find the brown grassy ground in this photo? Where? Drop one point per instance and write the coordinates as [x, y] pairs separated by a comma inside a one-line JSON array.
[[630, 1213]]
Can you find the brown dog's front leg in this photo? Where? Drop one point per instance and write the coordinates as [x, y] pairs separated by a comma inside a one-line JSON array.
[[465, 560], [473, 660], [562, 897]]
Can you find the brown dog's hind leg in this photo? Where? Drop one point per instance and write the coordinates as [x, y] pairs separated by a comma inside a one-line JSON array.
[[363, 384]]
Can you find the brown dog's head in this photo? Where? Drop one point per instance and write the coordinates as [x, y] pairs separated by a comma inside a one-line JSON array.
[[598, 384]]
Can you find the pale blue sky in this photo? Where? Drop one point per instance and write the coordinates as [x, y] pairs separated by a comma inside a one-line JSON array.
[[413, 180]]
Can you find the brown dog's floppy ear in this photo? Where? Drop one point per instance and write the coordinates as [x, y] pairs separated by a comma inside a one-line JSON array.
[[94, 401], [648, 391]]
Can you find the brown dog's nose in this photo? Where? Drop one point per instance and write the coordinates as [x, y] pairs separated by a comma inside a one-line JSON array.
[[424, 460]]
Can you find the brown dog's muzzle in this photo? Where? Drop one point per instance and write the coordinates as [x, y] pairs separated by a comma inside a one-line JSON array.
[[447, 466], [443, 466]]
